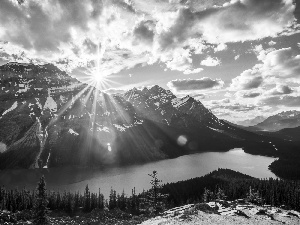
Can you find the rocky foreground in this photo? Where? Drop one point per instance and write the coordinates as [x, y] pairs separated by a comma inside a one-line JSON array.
[[96, 217], [223, 212], [235, 212]]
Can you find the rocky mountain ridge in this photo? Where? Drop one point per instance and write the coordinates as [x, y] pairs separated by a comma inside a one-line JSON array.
[[49, 119], [287, 119]]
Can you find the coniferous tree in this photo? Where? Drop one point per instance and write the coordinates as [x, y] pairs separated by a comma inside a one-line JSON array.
[[155, 196], [87, 199], [41, 202], [220, 195], [112, 199], [253, 196]]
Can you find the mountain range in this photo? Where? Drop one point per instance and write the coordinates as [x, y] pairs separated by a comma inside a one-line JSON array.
[[251, 122], [49, 119], [287, 119]]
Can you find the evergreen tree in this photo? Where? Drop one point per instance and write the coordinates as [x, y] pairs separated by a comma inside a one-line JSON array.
[[155, 196], [254, 197], [41, 202], [112, 199], [87, 199], [220, 195]]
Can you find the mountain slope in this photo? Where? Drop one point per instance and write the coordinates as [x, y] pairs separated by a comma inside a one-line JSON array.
[[78, 125], [251, 122], [288, 119]]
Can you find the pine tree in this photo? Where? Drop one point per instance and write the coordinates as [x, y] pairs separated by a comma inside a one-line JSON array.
[[87, 199], [155, 196], [253, 196], [205, 195], [112, 199], [41, 202], [220, 195]]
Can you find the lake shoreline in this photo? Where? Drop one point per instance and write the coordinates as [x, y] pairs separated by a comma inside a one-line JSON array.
[[128, 177]]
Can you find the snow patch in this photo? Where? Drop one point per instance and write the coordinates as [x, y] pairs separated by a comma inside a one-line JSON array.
[[119, 127], [71, 131], [14, 106], [220, 131], [179, 102], [50, 104], [105, 129]]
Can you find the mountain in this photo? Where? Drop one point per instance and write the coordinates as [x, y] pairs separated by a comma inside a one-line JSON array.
[[251, 122], [49, 119], [287, 119], [290, 133]]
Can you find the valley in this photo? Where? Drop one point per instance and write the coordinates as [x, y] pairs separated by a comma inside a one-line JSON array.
[[56, 121]]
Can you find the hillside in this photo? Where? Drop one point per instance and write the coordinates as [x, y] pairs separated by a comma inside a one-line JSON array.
[[287, 119], [78, 125], [230, 198], [234, 213]]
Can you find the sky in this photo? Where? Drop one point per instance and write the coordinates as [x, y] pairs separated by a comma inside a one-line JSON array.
[[240, 58]]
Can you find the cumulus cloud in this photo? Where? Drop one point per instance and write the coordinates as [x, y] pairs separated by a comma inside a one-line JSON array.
[[271, 43], [280, 90], [191, 71], [70, 33], [254, 16], [210, 61], [225, 105], [251, 95], [279, 68], [194, 85], [282, 63], [276, 65], [236, 110], [144, 31], [220, 47], [286, 100], [249, 79]]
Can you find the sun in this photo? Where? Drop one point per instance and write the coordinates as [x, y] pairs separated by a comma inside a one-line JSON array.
[[98, 77]]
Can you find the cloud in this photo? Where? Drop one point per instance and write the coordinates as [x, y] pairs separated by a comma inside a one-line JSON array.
[[236, 57], [114, 91], [43, 25], [228, 106], [236, 110], [188, 71], [271, 43], [209, 61], [280, 90], [221, 47], [249, 79], [70, 31], [282, 65], [277, 67], [192, 85], [232, 22], [251, 95], [144, 31], [286, 100]]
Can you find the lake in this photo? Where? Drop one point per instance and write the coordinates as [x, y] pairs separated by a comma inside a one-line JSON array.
[[170, 170]]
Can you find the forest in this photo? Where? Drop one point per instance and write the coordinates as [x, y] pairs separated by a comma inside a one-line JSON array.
[[222, 184]]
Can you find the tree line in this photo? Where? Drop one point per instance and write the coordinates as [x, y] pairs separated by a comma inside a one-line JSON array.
[[222, 184], [274, 192]]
